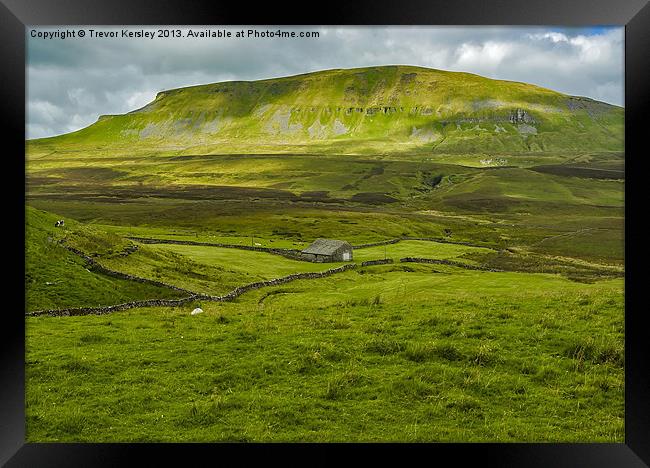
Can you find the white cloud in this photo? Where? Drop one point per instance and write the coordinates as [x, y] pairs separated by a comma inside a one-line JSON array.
[[552, 36], [44, 112], [140, 98]]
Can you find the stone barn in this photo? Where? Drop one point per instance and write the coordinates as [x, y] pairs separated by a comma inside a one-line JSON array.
[[328, 250]]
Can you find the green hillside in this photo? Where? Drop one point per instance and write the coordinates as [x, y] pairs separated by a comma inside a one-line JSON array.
[[57, 278], [388, 109]]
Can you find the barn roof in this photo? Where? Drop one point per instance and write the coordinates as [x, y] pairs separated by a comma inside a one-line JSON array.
[[324, 246]]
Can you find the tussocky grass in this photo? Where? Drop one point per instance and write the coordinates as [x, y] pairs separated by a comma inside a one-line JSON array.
[[377, 354]]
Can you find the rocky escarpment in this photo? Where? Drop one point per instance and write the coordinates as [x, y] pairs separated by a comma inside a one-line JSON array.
[[521, 116]]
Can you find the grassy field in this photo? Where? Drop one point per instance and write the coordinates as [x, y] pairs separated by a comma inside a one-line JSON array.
[[397, 352], [423, 249], [379, 354], [292, 199], [209, 270], [404, 352], [401, 352]]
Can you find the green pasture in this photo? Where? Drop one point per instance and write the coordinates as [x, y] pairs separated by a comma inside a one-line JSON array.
[[422, 249], [379, 354], [210, 270]]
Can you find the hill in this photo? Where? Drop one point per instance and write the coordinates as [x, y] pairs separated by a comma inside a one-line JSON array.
[[385, 109]]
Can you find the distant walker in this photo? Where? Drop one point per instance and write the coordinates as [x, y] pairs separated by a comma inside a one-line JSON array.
[[328, 250]]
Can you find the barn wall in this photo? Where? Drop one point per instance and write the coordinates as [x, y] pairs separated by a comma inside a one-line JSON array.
[[338, 254]]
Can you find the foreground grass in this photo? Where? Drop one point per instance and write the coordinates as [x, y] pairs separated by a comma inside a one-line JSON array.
[[391, 353]]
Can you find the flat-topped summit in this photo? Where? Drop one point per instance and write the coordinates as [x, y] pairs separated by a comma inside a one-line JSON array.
[[405, 107]]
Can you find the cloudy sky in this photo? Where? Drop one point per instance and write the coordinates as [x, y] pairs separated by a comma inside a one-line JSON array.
[[71, 81]]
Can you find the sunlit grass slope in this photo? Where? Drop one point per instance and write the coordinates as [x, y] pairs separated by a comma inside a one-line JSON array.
[[56, 278], [378, 109]]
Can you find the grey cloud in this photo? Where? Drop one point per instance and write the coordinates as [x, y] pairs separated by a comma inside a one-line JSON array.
[[72, 81]]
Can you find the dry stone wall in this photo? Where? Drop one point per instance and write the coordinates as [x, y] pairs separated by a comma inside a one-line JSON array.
[[382, 261], [429, 239], [73, 311], [295, 254], [232, 295], [289, 253], [118, 274], [446, 262]]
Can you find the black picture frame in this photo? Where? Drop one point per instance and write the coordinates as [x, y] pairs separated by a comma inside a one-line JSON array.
[[633, 14]]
